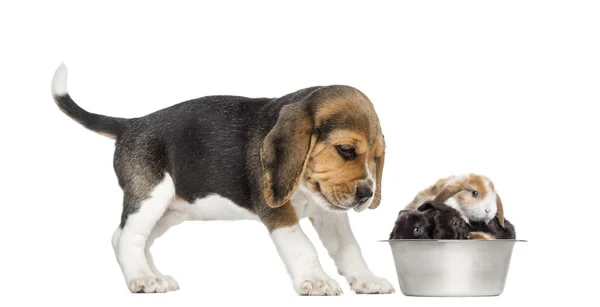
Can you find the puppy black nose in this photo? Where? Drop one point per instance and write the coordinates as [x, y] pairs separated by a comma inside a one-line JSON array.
[[363, 192]]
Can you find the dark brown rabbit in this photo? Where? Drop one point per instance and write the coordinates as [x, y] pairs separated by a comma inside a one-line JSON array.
[[448, 222], [492, 230], [411, 225], [432, 220]]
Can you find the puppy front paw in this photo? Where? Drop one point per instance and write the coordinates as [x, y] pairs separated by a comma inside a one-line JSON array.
[[322, 285], [173, 285], [149, 284], [370, 284]]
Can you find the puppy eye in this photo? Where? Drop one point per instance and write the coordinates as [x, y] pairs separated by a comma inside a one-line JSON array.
[[347, 152], [455, 223], [417, 230], [474, 193]]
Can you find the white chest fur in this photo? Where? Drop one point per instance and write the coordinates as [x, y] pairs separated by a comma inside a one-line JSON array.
[[217, 207], [211, 207]]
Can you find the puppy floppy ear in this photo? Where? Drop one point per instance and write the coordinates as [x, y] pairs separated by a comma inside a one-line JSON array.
[[447, 192], [285, 153], [500, 213], [378, 177]]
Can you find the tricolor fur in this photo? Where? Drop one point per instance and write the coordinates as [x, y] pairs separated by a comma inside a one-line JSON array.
[[317, 152]]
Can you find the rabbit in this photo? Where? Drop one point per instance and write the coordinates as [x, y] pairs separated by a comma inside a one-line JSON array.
[[474, 196], [448, 222], [411, 225], [431, 220], [492, 230]]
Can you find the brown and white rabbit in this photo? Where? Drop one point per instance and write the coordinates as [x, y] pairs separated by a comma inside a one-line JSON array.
[[473, 195], [432, 220]]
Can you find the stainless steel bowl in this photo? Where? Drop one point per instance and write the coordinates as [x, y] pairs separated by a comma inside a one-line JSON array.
[[452, 267]]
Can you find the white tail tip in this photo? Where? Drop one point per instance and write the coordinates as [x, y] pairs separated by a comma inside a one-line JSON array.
[[59, 82]]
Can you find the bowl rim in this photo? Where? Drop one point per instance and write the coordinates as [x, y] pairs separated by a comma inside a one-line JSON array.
[[451, 240]]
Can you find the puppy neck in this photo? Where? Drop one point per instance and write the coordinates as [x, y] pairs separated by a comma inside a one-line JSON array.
[[306, 202]]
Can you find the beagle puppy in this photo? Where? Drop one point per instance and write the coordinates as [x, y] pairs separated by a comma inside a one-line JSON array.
[[317, 153]]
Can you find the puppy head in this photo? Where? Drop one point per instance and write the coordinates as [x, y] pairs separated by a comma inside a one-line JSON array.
[[329, 143], [411, 225], [475, 196]]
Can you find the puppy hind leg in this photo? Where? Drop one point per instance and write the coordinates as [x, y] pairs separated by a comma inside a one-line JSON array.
[[115, 241], [167, 221], [135, 231]]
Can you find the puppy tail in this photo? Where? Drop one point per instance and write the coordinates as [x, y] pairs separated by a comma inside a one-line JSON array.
[[108, 126]]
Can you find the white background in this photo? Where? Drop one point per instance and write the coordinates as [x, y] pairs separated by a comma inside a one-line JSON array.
[[508, 89]]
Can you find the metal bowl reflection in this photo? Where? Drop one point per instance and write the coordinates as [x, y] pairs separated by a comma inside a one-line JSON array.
[[452, 267]]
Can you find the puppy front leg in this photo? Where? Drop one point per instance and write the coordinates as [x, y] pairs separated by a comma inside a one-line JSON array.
[[302, 262], [337, 237]]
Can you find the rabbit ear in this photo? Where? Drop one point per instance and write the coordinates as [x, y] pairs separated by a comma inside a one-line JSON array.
[[500, 213], [403, 211], [430, 209], [427, 206], [447, 192]]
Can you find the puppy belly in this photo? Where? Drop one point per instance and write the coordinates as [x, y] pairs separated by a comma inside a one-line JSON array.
[[212, 207]]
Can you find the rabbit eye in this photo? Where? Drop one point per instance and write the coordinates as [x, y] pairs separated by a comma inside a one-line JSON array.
[[474, 193], [417, 230], [455, 223]]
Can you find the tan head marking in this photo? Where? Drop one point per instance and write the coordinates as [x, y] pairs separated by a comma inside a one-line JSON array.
[[333, 141]]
